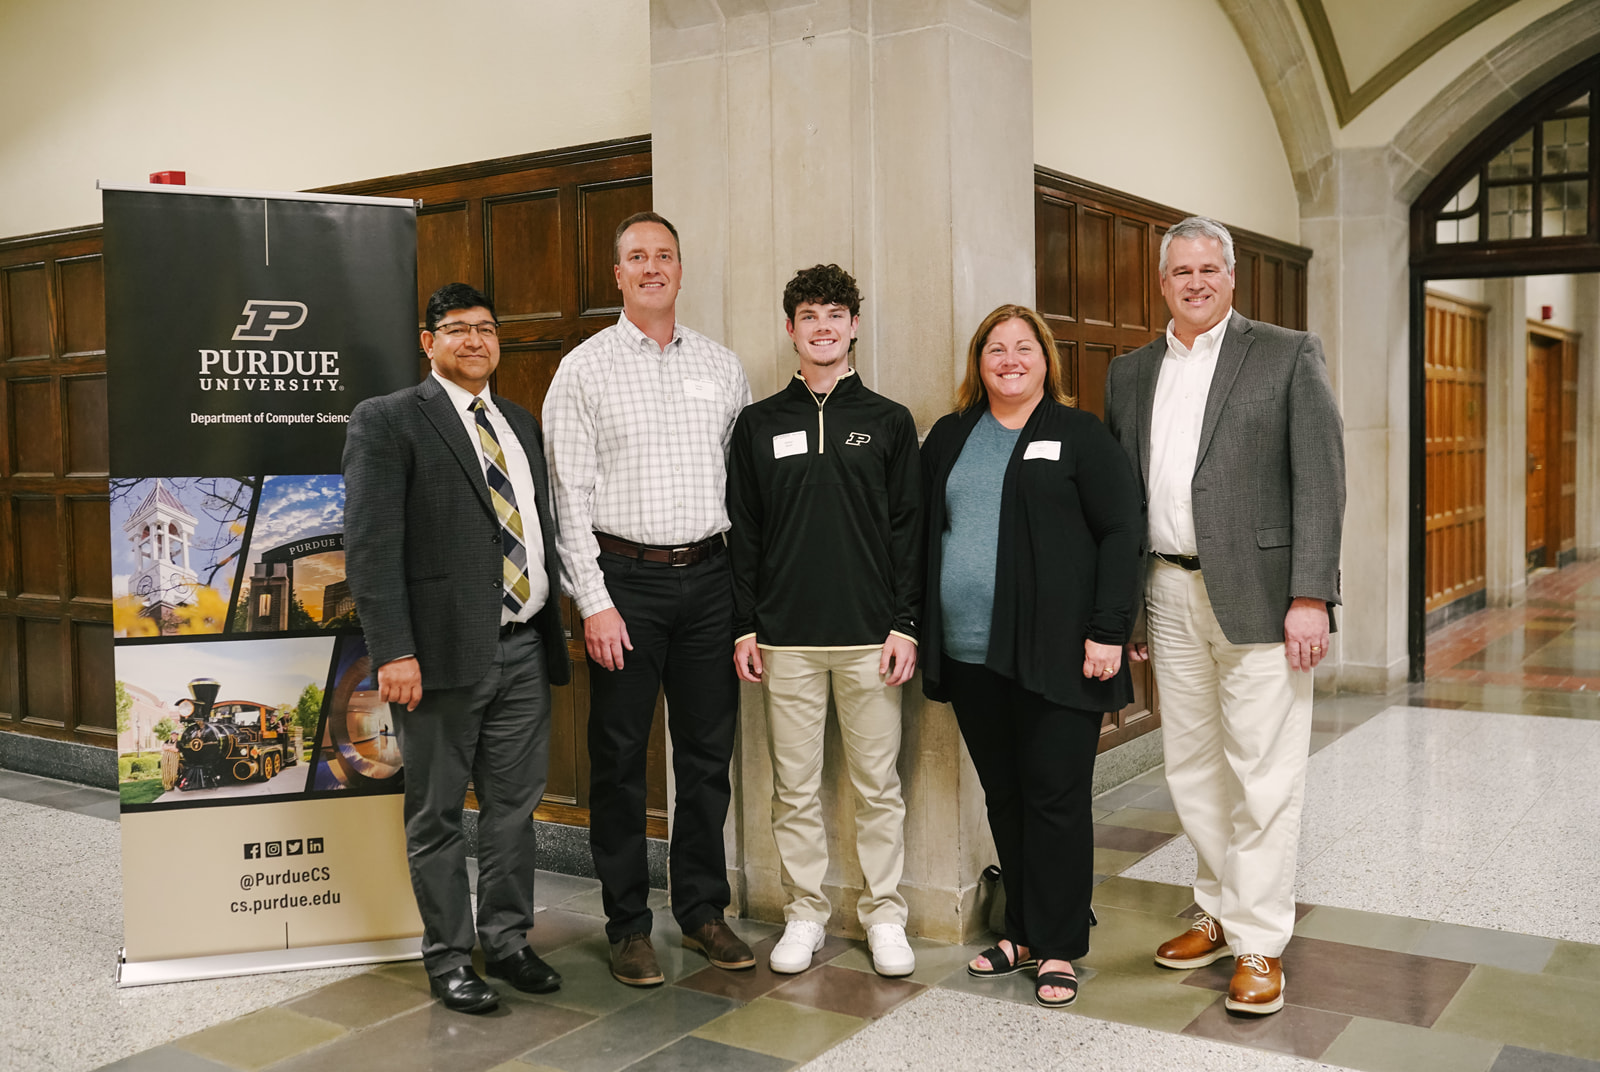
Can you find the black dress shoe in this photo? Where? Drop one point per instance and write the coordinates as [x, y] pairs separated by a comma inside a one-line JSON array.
[[525, 971], [462, 990]]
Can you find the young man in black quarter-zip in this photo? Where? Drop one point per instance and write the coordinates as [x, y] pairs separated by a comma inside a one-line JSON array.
[[824, 497]]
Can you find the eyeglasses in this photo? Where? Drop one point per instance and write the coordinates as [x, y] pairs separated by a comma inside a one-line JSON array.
[[459, 330]]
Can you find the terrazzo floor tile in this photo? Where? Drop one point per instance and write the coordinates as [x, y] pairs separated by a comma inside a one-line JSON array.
[[936, 961], [360, 1001], [664, 1016], [1476, 945], [1114, 862], [261, 1038], [552, 889], [164, 1059], [1144, 819], [1539, 1012], [1128, 838], [1517, 1059], [555, 928], [944, 1030], [850, 992], [752, 983], [1380, 1046], [1158, 898], [1373, 929], [1579, 960], [1147, 1000], [779, 1029], [1357, 981], [1017, 988], [586, 983], [433, 1037], [1293, 1029], [697, 1055], [1126, 941]]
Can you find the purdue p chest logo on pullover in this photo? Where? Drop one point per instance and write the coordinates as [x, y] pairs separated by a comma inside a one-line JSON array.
[[824, 496]]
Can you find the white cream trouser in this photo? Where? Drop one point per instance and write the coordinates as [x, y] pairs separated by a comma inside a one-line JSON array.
[[1236, 728], [796, 684]]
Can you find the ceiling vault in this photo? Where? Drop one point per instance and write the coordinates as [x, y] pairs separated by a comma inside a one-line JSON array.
[[1349, 103]]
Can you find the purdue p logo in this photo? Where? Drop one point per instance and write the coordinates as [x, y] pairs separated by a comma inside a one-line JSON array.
[[857, 439], [264, 319]]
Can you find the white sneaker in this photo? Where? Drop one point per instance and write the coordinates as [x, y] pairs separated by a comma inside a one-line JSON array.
[[891, 953], [801, 938]]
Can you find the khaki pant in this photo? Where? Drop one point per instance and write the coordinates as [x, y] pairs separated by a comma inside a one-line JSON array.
[[1236, 730], [796, 684]]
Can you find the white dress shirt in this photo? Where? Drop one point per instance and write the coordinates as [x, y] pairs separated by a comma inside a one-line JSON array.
[[637, 439], [521, 484], [1180, 407]]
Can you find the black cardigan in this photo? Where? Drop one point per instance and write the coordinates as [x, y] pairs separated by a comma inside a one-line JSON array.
[[1069, 556]]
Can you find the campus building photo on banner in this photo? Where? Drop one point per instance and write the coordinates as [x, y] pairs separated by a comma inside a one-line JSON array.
[[260, 776]]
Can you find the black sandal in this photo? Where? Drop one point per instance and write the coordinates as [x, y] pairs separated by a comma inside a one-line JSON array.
[[1061, 980], [997, 957]]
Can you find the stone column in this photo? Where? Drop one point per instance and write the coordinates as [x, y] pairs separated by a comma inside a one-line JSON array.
[[1505, 507], [1359, 304], [895, 139]]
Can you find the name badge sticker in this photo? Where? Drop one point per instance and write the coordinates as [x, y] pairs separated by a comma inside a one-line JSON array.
[[1043, 448], [789, 443], [700, 389]]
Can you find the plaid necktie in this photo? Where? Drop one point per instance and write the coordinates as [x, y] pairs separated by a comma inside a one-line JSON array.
[[514, 563]]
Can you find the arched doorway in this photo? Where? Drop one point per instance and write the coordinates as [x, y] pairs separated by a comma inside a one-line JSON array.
[[1522, 199]]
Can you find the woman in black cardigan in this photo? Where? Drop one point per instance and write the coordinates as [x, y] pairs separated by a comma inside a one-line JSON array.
[[1034, 535]]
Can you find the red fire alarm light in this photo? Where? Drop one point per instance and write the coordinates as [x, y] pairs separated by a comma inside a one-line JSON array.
[[168, 178], [1547, 312]]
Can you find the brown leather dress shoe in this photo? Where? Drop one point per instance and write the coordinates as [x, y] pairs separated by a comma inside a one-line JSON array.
[[1257, 985], [1196, 947], [633, 961], [721, 946]]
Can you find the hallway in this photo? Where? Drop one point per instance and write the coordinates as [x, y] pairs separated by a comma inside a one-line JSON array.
[[1552, 641]]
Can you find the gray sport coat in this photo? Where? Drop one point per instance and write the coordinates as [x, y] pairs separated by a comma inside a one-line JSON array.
[[1269, 479], [422, 542]]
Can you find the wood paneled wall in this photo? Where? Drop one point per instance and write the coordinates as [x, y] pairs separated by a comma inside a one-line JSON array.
[[55, 567], [535, 234], [1096, 252], [1456, 367]]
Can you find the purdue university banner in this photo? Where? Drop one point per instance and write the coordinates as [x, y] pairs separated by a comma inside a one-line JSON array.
[[260, 776]]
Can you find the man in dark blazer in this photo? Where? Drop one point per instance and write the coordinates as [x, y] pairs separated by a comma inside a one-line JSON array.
[[450, 553], [1234, 431]]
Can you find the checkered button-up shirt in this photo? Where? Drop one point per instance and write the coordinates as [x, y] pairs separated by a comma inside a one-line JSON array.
[[637, 439]]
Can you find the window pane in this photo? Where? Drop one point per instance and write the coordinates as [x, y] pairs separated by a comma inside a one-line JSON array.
[[1510, 212], [1465, 198], [1515, 161], [1449, 232], [1566, 145]]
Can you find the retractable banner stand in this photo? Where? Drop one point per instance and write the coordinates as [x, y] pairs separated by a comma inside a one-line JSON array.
[[260, 776]]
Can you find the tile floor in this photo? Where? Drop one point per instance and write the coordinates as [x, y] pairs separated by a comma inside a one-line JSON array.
[[1550, 641], [1450, 882]]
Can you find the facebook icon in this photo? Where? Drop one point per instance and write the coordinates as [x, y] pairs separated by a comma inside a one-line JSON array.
[[252, 850]]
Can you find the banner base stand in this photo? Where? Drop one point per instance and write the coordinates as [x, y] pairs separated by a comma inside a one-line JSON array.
[[188, 969]]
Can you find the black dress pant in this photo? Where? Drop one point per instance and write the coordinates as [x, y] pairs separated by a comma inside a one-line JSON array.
[[496, 732], [680, 622], [1035, 760]]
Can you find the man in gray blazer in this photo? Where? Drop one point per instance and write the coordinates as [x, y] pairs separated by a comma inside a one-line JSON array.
[[450, 553], [1233, 428]]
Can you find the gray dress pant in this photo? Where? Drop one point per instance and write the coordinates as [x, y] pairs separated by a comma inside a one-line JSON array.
[[496, 732]]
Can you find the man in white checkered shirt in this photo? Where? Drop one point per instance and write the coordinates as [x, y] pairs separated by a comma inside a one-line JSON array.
[[637, 425]]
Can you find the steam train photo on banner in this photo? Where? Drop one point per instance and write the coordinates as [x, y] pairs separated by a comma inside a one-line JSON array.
[[233, 741]]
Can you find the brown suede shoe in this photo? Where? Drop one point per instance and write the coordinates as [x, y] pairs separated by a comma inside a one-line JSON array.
[[633, 961], [1257, 985], [1196, 947], [720, 945]]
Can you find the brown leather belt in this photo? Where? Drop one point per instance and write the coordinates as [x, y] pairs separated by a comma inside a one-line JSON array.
[[670, 556], [1188, 562]]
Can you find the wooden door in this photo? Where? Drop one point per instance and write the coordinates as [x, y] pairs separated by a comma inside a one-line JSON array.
[[56, 674], [1539, 349], [535, 234], [1564, 526], [1457, 393]]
